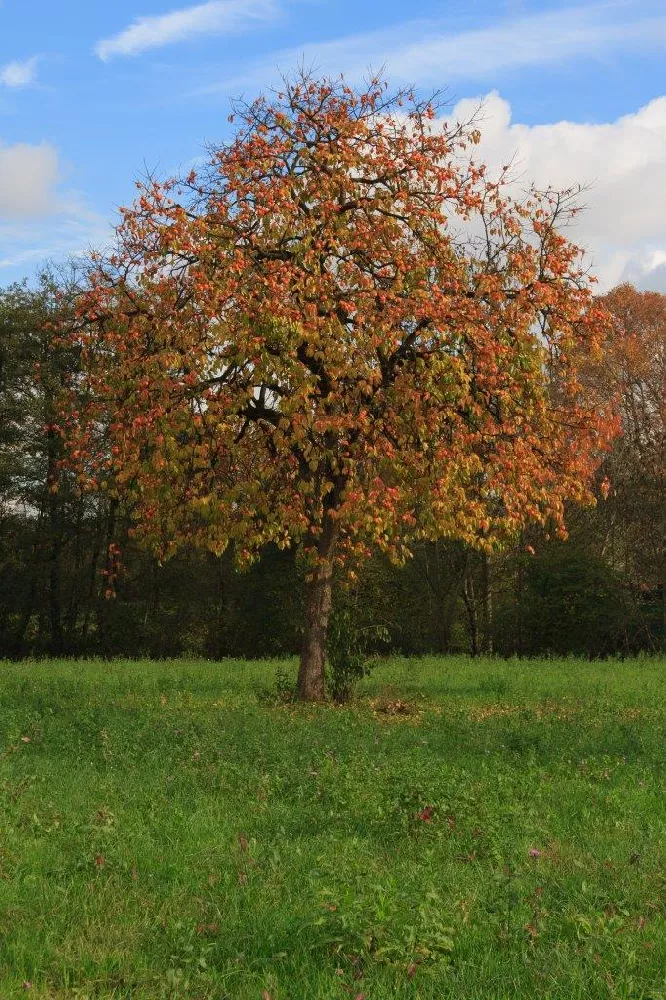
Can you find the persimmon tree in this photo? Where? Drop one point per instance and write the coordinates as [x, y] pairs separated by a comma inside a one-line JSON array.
[[340, 336]]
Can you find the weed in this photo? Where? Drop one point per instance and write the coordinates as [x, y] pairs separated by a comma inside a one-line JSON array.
[[348, 658], [281, 692]]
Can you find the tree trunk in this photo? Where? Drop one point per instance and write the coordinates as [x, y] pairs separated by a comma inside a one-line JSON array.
[[518, 596], [487, 598], [319, 597], [445, 583], [470, 602], [663, 597]]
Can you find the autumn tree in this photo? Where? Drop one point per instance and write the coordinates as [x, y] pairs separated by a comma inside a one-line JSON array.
[[340, 337], [634, 367]]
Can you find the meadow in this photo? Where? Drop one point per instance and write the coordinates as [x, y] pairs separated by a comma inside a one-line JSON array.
[[481, 830]]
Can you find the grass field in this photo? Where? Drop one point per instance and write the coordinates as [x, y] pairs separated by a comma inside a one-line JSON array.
[[473, 830]]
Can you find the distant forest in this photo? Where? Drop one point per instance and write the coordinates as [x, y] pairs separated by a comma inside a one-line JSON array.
[[74, 583]]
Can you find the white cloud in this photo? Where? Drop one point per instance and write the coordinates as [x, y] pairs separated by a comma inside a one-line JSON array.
[[38, 220], [19, 74], [28, 179], [623, 163], [216, 16], [428, 52]]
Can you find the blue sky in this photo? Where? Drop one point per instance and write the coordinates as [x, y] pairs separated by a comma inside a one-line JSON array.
[[92, 94]]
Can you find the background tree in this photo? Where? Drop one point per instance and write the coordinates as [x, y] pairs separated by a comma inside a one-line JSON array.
[[635, 368], [47, 547], [340, 338]]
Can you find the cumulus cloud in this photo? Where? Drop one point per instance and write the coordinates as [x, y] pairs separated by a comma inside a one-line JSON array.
[[38, 219], [28, 179], [19, 74], [622, 164], [214, 17], [647, 271]]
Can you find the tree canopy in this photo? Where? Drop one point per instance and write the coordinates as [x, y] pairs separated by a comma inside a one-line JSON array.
[[342, 335]]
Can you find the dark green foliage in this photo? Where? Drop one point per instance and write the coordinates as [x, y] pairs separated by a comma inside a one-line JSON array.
[[567, 600], [574, 603]]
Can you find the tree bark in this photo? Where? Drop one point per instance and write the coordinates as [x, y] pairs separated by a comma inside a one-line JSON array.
[[319, 599]]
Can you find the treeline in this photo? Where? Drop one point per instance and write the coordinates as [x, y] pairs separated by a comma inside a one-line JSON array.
[[73, 581]]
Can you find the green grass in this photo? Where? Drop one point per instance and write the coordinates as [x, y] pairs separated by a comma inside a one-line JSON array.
[[477, 830]]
